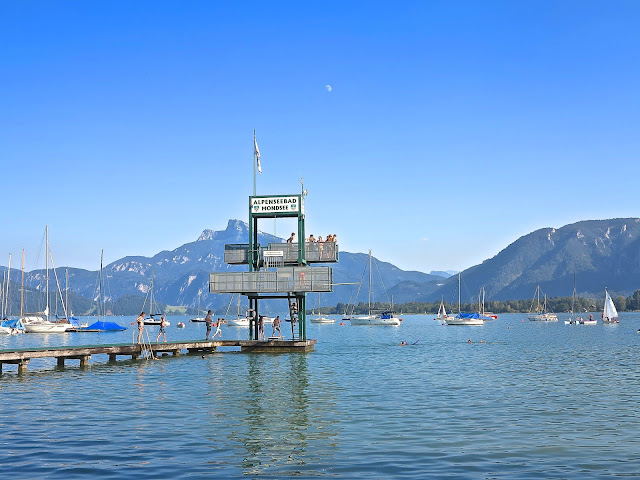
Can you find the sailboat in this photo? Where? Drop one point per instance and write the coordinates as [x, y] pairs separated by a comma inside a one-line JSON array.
[[541, 314], [442, 312], [42, 324], [9, 326], [150, 320], [470, 319], [73, 324], [240, 320], [198, 318], [573, 320], [100, 325], [320, 318], [387, 317], [609, 312]]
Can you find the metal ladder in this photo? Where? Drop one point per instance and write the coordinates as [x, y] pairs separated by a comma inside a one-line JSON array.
[[293, 315]]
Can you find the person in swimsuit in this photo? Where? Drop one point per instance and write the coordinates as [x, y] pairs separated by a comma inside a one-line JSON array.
[[163, 324], [276, 326], [140, 322], [208, 321], [218, 329], [261, 328]]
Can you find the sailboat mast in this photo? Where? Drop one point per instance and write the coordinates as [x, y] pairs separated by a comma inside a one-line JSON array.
[[573, 299], [46, 229], [458, 293], [22, 287], [7, 308], [66, 289], [100, 306], [370, 285]]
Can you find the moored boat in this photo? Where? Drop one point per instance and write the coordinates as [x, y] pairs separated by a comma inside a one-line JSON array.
[[464, 319], [609, 312], [540, 313]]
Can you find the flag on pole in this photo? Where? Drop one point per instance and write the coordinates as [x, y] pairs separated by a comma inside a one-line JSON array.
[[257, 152]]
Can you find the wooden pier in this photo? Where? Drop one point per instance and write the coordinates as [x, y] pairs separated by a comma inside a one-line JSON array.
[[83, 353]]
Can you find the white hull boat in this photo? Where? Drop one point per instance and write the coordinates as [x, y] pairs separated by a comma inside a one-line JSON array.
[[543, 317], [384, 319], [238, 322], [609, 313], [321, 319], [45, 327], [472, 322], [463, 319], [541, 314]]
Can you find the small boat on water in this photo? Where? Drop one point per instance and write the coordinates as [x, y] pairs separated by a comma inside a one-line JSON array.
[[609, 312], [383, 318], [313, 318], [386, 317], [443, 316], [464, 319], [541, 314], [151, 319], [321, 319], [197, 318], [11, 327], [240, 320]]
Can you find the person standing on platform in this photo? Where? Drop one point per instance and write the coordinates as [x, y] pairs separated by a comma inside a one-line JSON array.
[[140, 322], [162, 331], [208, 321], [218, 328], [261, 328], [276, 326], [291, 238]]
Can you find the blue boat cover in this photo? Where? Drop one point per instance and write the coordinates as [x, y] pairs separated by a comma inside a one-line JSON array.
[[106, 326], [17, 324], [469, 315]]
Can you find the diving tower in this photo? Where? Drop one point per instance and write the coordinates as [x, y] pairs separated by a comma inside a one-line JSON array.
[[277, 270]]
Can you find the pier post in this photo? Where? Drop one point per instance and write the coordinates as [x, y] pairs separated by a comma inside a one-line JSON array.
[[112, 357], [84, 361], [60, 362]]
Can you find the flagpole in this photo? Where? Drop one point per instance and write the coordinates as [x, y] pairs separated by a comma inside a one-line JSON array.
[[254, 163]]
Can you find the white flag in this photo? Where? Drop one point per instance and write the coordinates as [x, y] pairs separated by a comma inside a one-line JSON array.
[[257, 152]]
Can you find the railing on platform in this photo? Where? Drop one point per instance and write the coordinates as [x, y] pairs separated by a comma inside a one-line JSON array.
[[285, 279], [315, 252]]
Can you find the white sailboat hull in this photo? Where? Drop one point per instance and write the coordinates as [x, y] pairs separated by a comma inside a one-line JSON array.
[[45, 327], [322, 320], [238, 322], [374, 320], [543, 317], [473, 322]]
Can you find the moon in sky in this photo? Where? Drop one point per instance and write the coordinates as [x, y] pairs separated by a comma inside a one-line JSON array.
[[328, 87]]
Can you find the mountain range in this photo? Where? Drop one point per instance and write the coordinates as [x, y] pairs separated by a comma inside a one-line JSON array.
[[601, 253]]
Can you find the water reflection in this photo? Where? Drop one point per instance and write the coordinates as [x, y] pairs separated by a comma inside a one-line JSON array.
[[286, 431]]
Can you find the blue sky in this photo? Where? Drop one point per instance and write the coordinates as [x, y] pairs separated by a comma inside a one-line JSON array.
[[452, 128]]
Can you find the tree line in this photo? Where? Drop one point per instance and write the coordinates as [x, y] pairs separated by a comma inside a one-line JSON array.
[[556, 304]]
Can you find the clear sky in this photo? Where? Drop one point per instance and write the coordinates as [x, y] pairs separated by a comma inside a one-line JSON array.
[[451, 128]]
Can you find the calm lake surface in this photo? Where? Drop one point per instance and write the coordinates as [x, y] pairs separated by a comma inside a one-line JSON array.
[[533, 401]]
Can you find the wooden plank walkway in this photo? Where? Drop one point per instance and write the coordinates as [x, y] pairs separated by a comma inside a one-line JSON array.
[[84, 352]]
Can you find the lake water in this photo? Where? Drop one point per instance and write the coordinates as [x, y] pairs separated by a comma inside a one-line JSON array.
[[533, 401]]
